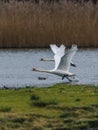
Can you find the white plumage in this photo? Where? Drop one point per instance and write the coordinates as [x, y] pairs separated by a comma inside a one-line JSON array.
[[55, 49], [62, 62]]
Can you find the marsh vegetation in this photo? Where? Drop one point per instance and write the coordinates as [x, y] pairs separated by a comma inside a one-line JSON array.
[[27, 24]]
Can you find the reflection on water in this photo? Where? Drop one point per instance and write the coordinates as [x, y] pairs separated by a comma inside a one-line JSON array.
[[16, 67]]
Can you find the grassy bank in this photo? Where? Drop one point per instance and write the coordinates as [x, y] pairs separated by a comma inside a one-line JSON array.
[[60, 107], [26, 24]]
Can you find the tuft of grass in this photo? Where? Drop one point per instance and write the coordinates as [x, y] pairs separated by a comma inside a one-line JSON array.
[[68, 114], [44, 103], [18, 120], [34, 97], [77, 100], [93, 123], [5, 109]]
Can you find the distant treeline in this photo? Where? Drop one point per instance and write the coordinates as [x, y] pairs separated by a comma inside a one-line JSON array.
[[27, 24]]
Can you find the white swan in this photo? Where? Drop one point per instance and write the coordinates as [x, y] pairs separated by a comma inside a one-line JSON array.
[[62, 63], [55, 49]]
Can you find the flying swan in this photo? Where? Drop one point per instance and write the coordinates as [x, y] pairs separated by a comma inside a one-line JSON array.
[[62, 63], [55, 49]]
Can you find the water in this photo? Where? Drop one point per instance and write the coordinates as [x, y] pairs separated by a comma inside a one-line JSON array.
[[16, 67]]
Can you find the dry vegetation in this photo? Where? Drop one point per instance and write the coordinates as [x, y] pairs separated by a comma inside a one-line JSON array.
[[26, 24]]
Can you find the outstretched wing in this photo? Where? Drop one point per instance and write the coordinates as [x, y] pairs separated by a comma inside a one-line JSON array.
[[54, 48], [59, 54], [62, 46], [64, 63]]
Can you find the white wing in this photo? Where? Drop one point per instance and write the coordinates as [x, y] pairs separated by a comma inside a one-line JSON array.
[[62, 46], [54, 48], [65, 61], [57, 57]]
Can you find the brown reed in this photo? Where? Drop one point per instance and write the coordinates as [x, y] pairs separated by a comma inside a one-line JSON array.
[[27, 24]]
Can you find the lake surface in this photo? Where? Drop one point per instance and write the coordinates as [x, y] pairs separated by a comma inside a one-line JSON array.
[[16, 67]]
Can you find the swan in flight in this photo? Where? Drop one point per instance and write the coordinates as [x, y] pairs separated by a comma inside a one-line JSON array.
[[55, 49], [62, 63]]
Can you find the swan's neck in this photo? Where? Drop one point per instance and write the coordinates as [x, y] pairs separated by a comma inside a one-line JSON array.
[[41, 70], [47, 59]]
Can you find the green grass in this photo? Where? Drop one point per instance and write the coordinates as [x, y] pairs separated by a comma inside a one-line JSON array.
[[60, 107]]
